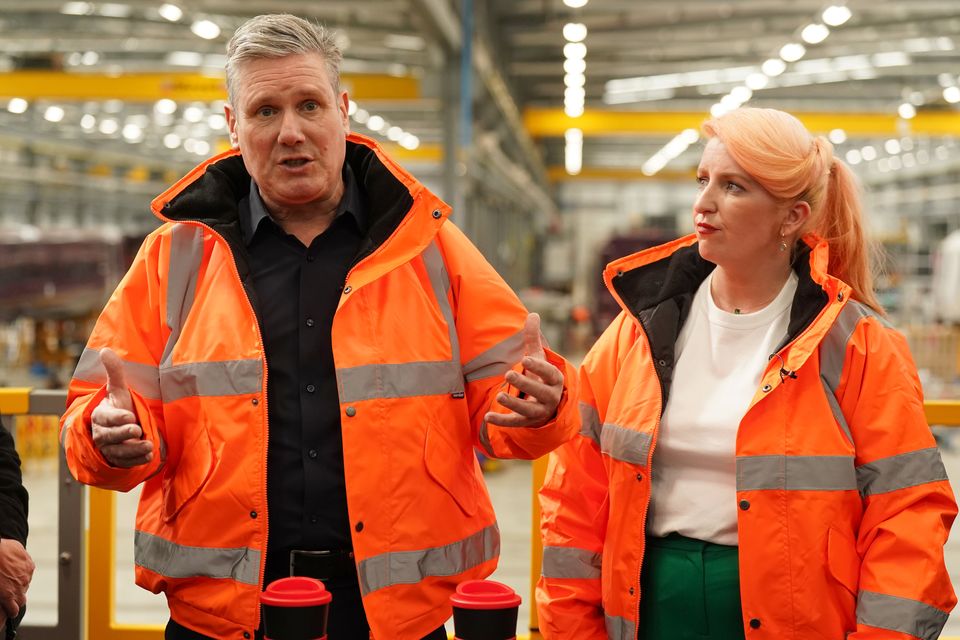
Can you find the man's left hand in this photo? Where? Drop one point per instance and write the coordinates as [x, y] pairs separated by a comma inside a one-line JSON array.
[[540, 385]]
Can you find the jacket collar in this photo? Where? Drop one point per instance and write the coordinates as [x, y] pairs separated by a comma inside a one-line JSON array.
[[656, 286], [400, 208]]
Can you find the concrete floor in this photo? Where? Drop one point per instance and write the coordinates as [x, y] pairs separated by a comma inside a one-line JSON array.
[[509, 488]]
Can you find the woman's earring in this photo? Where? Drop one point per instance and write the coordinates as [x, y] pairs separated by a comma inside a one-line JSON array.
[[783, 242]]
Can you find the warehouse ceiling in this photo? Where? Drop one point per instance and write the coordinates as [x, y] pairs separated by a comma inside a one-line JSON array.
[[642, 60]]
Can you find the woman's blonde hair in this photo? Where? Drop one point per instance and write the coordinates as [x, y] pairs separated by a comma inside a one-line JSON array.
[[791, 164]]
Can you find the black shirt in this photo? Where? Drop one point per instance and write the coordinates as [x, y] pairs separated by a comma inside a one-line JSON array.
[[297, 290]]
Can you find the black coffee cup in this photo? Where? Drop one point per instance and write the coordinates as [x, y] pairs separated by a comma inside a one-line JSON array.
[[295, 609], [484, 610]]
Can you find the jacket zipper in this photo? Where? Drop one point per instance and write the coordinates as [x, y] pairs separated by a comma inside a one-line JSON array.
[[263, 390], [646, 506]]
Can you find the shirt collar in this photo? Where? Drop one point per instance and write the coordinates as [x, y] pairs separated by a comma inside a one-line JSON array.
[[253, 210]]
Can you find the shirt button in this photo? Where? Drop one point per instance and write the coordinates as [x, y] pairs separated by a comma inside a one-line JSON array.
[[311, 388], [359, 527], [347, 289], [766, 388], [437, 214], [314, 519], [313, 454], [351, 412], [755, 623], [246, 634], [662, 363], [255, 402], [310, 322], [253, 514], [310, 257], [639, 477], [744, 505]]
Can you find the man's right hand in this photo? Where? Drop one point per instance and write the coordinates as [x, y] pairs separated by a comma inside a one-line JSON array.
[[115, 430], [16, 570]]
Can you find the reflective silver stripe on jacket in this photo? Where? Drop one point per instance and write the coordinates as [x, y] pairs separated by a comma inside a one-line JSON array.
[[619, 628], [174, 560], [406, 380], [194, 379], [496, 360], [570, 562], [796, 473], [218, 378], [410, 567], [589, 422], [901, 471], [186, 254], [624, 444], [170, 382], [894, 613], [64, 432], [833, 352], [144, 379], [410, 379]]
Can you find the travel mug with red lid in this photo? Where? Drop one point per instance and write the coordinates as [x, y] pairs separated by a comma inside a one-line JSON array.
[[484, 610], [295, 609]]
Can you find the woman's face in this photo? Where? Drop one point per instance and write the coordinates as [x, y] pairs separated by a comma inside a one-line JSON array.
[[738, 223]]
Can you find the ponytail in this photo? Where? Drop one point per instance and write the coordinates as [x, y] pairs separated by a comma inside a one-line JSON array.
[[839, 221]]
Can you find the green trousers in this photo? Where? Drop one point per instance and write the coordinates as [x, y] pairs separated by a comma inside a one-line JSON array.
[[690, 590]]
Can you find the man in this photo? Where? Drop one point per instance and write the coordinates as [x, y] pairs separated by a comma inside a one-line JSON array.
[[308, 338], [16, 565]]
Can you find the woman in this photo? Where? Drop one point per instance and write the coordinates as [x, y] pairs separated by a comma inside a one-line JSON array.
[[754, 459]]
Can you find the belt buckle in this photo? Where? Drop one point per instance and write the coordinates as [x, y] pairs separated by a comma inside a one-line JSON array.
[[322, 564]]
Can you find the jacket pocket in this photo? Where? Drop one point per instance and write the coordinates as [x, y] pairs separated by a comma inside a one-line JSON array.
[[184, 479], [453, 468], [843, 562]]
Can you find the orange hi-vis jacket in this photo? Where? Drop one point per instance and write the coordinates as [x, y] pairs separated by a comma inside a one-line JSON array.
[[423, 333], [843, 504]]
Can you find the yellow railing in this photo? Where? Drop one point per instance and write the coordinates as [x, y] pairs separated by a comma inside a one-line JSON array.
[[100, 537]]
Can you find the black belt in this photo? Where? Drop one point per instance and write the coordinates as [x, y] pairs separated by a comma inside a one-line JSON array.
[[323, 565]]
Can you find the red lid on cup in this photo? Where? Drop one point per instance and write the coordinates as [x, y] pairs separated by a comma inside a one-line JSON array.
[[295, 592], [484, 594]]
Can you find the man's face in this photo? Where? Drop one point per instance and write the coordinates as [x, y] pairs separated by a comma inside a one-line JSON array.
[[291, 126]]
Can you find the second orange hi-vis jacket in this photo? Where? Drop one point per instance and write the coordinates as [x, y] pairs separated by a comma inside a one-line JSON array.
[[843, 504], [423, 333]]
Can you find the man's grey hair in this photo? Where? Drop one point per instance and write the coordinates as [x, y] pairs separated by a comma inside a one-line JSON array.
[[276, 36]]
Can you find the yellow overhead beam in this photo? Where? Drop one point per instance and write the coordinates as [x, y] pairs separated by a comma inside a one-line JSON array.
[[147, 87], [545, 123]]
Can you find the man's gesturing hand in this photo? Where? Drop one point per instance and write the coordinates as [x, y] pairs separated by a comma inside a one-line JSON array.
[[540, 385], [114, 425]]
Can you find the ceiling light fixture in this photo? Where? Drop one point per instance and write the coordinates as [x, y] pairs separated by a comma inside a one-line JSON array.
[[206, 29], [907, 111], [573, 151], [814, 33], [773, 67], [575, 31], [792, 51], [17, 105], [836, 15], [172, 13]]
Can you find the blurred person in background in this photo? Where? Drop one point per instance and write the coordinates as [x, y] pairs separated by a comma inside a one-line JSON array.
[[16, 565], [298, 365], [754, 457]]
